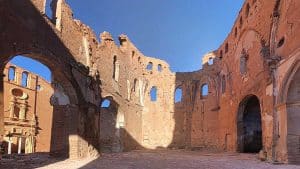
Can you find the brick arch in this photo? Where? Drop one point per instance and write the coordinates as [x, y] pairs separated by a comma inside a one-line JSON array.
[[245, 31], [289, 97], [213, 88], [284, 86], [62, 76], [61, 72], [30, 33], [249, 118], [241, 40]]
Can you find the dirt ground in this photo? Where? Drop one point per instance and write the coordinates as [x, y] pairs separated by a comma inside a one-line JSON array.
[[167, 159]]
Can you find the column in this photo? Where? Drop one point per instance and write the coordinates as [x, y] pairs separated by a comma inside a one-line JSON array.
[[9, 147], [20, 145]]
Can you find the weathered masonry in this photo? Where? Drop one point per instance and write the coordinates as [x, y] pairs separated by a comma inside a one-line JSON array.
[[245, 99], [28, 112]]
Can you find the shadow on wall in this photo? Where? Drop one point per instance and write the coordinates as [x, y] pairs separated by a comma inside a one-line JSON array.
[[113, 136], [181, 117], [115, 131], [125, 136]]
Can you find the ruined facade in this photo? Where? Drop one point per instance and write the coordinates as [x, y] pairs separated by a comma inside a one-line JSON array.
[[28, 112], [250, 105]]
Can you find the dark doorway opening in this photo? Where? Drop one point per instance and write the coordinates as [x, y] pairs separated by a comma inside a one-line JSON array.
[[249, 128]]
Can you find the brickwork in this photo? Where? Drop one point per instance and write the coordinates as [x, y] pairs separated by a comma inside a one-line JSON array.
[[28, 112], [258, 59]]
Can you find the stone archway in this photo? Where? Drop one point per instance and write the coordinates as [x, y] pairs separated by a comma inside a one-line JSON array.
[[293, 118], [249, 128], [33, 35], [65, 108]]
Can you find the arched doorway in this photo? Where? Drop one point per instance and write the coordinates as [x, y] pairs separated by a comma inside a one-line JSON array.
[[249, 130], [293, 119]]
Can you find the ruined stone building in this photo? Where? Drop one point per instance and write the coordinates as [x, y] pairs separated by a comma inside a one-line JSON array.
[[245, 99], [27, 111]]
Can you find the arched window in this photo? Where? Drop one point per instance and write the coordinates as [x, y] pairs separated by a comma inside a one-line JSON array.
[[149, 66], [247, 9], [11, 73], [24, 79], [114, 63], [178, 95], [221, 54], [116, 69], [226, 47], [49, 10], [235, 32], [241, 22], [210, 61], [204, 90], [153, 94], [105, 103], [135, 85], [159, 67]]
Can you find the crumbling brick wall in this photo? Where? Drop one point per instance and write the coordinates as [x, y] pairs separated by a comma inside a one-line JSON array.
[[259, 57]]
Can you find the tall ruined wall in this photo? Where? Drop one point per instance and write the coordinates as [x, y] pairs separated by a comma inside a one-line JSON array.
[[286, 56], [258, 58], [240, 69], [121, 71], [31, 33], [243, 61], [127, 80], [201, 110], [252, 61]]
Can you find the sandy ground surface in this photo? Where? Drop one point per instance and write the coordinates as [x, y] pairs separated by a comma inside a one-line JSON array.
[[171, 159]]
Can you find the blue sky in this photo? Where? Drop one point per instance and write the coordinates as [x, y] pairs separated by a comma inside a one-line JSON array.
[[178, 31], [33, 66]]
